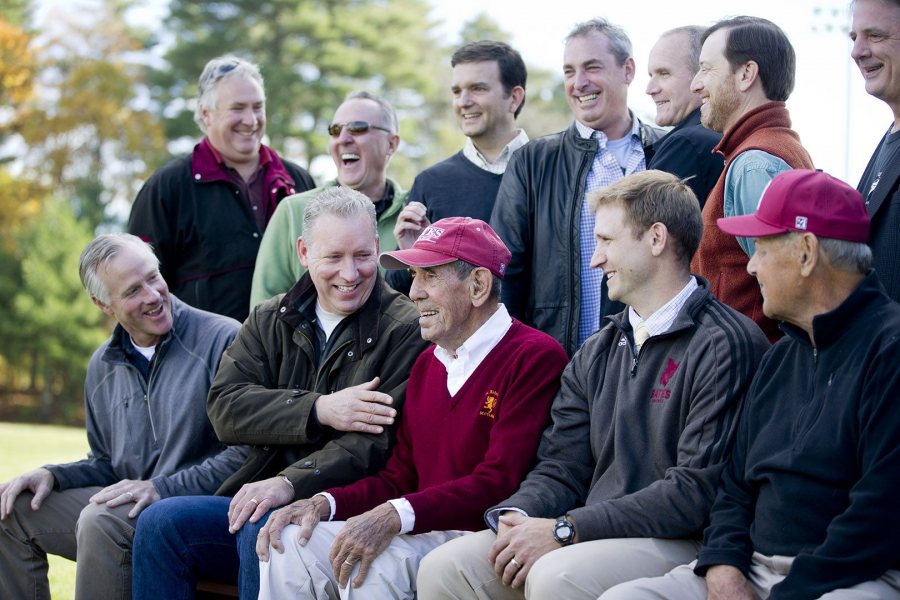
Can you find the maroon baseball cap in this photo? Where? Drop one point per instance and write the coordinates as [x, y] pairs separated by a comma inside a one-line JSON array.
[[805, 200], [450, 239]]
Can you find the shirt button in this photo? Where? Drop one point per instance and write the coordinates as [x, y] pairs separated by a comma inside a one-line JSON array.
[[197, 176], [290, 400], [318, 472], [307, 463], [350, 354], [282, 309], [255, 207], [369, 341], [256, 235], [274, 190]]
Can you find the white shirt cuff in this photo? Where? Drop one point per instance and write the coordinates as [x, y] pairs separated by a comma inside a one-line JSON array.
[[406, 512], [493, 516], [331, 504]]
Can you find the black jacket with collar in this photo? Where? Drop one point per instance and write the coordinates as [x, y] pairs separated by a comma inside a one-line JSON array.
[[537, 216]]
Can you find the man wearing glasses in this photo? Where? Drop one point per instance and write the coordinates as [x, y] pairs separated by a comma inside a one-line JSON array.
[[205, 213], [363, 139]]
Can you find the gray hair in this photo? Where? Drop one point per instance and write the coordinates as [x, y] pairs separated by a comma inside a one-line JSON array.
[[99, 252], [854, 257], [387, 110], [339, 201], [463, 269], [619, 42], [213, 73], [695, 43]]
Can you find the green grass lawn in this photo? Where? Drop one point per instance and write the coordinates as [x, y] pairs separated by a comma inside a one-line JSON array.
[[25, 447]]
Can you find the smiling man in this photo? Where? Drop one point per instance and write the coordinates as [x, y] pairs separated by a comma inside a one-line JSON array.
[[807, 506], [687, 150], [313, 382], [875, 32], [643, 421], [476, 405], [541, 213], [746, 74], [147, 428], [488, 88], [205, 214], [363, 139]]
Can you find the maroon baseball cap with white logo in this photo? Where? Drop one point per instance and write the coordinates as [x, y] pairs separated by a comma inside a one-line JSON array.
[[450, 239], [805, 200]]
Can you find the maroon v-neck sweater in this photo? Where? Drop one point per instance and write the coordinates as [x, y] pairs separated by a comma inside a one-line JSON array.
[[457, 455]]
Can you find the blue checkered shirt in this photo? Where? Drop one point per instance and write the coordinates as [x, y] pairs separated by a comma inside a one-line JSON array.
[[605, 171]]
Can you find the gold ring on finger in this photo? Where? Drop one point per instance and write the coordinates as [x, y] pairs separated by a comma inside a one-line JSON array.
[[254, 501]]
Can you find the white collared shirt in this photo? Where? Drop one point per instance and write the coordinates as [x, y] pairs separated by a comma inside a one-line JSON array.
[[461, 365], [498, 167], [661, 320]]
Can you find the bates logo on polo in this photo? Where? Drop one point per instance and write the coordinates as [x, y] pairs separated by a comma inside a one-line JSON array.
[[489, 408], [431, 234], [660, 395]]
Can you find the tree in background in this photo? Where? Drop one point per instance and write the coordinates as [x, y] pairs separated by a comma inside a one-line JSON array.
[[85, 134]]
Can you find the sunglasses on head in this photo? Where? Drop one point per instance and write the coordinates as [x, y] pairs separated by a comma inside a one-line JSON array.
[[354, 127]]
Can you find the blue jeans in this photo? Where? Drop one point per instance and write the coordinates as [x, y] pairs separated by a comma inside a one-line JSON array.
[[181, 539]]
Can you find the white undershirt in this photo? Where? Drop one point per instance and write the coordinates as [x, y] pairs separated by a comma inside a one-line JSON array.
[[147, 351], [327, 321]]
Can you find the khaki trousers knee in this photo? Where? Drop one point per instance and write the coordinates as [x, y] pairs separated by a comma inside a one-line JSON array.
[[67, 525], [459, 569]]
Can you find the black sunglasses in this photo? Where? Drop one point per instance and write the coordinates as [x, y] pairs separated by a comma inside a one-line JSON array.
[[354, 127]]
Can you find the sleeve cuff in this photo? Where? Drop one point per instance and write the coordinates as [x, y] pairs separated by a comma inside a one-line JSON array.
[[332, 506], [406, 512], [492, 517]]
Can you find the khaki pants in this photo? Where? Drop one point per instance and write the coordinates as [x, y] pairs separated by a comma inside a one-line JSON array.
[[765, 573], [99, 538], [304, 572], [459, 569]]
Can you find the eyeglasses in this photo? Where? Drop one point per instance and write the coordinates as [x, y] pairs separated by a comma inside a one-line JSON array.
[[354, 127]]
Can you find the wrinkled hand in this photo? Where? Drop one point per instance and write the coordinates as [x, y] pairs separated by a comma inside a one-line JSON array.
[[39, 482], [525, 539], [142, 493], [255, 499], [724, 582], [361, 540], [411, 222], [356, 408], [306, 513]]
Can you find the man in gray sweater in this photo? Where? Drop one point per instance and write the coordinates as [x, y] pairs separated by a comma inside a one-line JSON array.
[[147, 428], [643, 421]]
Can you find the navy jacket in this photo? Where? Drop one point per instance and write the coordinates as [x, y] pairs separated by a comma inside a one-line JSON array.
[[814, 469]]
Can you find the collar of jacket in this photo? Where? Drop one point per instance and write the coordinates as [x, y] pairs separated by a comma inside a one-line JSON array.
[[768, 115], [685, 317], [849, 315], [207, 165], [647, 135], [299, 303], [115, 351]]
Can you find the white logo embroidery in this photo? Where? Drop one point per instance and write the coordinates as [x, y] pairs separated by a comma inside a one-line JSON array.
[[623, 341], [800, 222], [431, 234]]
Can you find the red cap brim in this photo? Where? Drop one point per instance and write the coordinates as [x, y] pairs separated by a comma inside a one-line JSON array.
[[413, 257], [749, 226]]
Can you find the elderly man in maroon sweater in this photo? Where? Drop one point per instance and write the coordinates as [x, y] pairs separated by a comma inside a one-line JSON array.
[[476, 405]]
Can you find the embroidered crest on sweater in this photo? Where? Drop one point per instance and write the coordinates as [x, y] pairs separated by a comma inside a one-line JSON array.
[[489, 408]]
